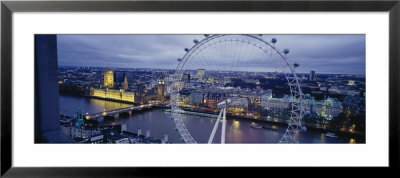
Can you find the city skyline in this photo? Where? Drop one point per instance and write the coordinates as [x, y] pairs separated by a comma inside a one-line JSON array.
[[341, 54], [195, 70], [335, 103]]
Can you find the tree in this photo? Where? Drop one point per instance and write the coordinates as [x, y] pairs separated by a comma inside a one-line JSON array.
[[339, 120], [313, 118], [359, 122]]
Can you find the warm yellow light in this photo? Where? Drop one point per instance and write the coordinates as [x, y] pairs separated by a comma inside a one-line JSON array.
[[236, 124], [109, 78], [352, 141]]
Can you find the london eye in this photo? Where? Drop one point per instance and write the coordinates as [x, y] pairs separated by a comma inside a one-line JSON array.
[[221, 58]]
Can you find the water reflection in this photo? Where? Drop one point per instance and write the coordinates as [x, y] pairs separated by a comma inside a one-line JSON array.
[[297, 135], [235, 124], [352, 141], [323, 138], [70, 104]]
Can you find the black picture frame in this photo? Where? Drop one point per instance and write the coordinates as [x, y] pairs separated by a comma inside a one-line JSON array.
[[8, 7]]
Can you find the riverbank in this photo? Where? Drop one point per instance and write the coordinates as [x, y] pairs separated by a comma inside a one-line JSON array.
[[358, 136], [114, 100], [80, 93], [159, 124]]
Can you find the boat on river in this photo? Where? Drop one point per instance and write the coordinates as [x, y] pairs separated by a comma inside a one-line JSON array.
[[330, 134], [259, 126], [256, 126], [166, 110]]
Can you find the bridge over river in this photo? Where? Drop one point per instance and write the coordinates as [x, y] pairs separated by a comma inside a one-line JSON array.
[[115, 112]]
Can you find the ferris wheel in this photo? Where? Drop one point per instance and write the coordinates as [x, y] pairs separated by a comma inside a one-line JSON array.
[[218, 59]]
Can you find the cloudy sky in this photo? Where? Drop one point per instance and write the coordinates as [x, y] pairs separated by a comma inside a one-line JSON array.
[[322, 53]]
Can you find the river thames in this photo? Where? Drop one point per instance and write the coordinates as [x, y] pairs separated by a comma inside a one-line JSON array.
[[159, 123]]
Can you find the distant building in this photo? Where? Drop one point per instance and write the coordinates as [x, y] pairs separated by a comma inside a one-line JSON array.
[[151, 96], [184, 97], [252, 81], [212, 99], [265, 99], [201, 73], [186, 77], [343, 90], [238, 105], [312, 75], [277, 104], [161, 88], [109, 78], [328, 108], [196, 98], [210, 80], [126, 83], [139, 92]]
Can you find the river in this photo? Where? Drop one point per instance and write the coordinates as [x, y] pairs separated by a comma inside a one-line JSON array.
[[159, 123]]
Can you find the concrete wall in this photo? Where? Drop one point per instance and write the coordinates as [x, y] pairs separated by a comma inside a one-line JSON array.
[[47, 124]]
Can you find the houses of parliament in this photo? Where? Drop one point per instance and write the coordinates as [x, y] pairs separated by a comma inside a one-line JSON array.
[[112, 91]]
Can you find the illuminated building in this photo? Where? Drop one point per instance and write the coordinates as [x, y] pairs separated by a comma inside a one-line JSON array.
[[254, 98], [351, 83], [120, 95], [238, 105], [258, 85], [210, 80], [212, 99], [201, 73], [318, 84], [328, 108], [253, 81], [161, 88], [139, 93], [266, 98], [184, 97], [109, 78], [125, 83]]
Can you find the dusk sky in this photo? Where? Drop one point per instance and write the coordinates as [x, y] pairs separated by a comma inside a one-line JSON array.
[[321, 53]]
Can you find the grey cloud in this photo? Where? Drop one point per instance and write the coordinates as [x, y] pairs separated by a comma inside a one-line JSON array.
[[323, 53]]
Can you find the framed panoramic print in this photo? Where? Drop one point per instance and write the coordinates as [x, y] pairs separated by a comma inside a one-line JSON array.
[[102, 88]]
